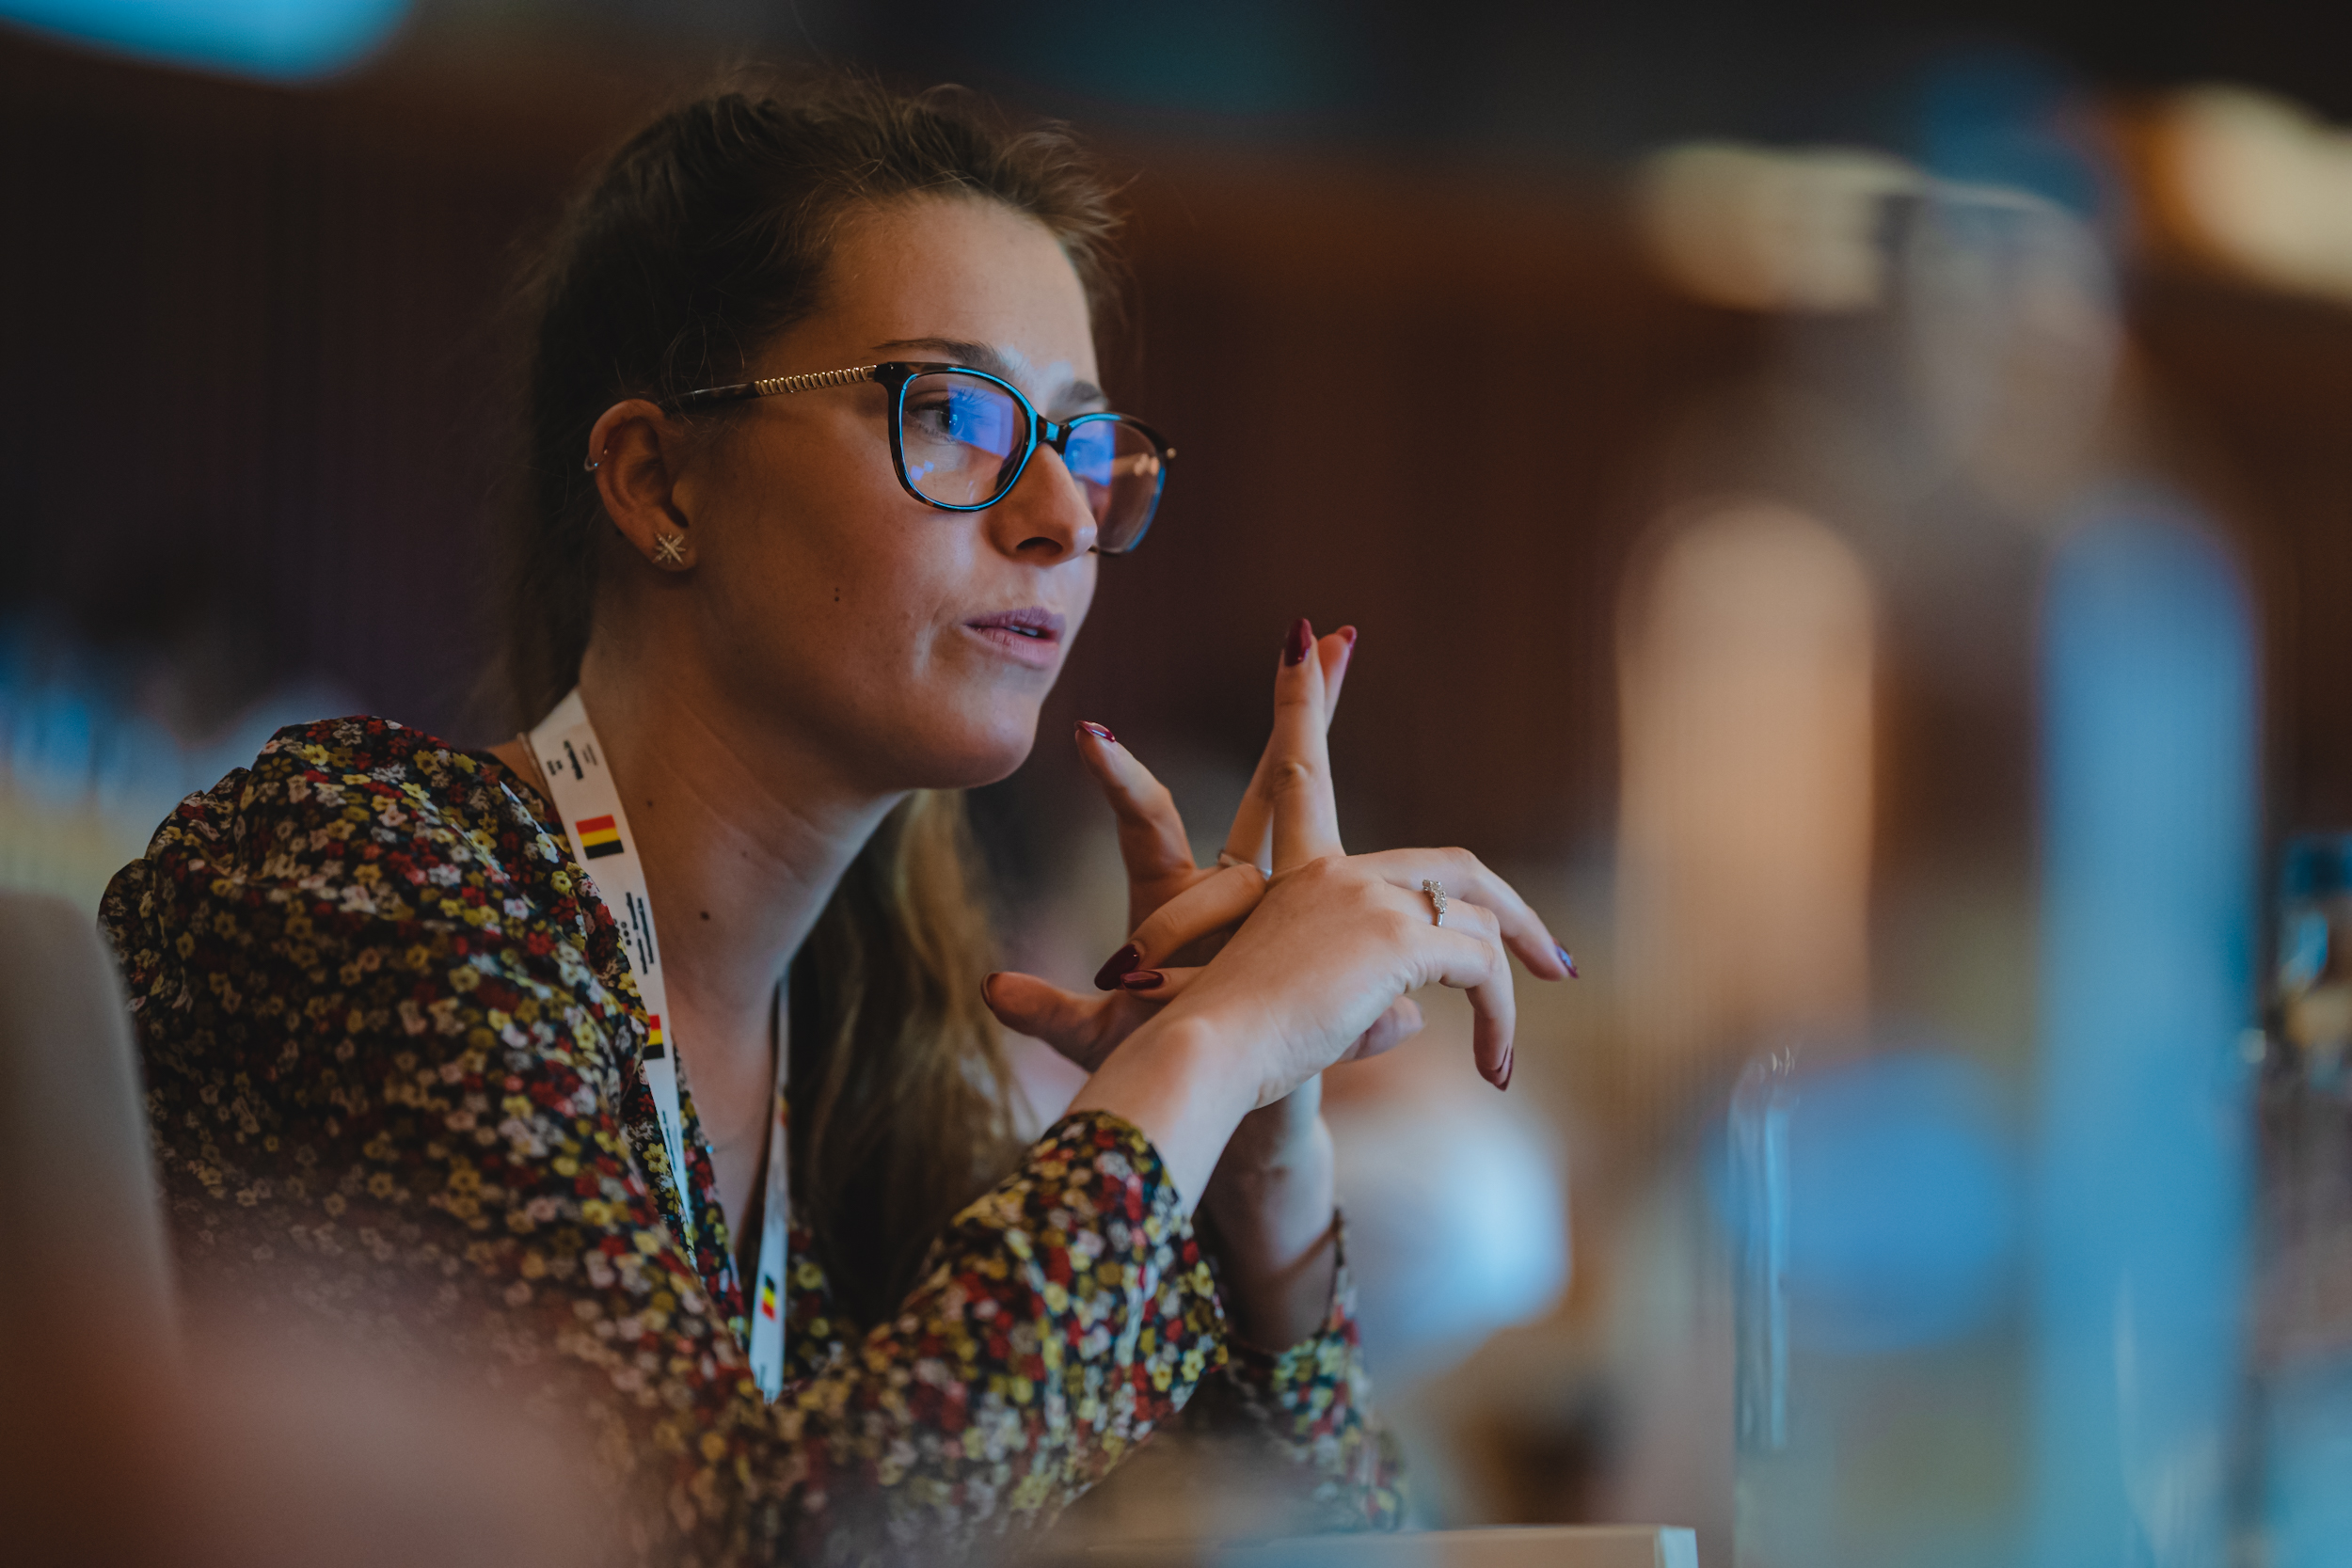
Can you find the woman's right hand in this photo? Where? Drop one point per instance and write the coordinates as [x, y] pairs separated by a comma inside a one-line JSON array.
[[1336, 940]]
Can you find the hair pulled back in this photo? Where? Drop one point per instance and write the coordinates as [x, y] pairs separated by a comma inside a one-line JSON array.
[[706, 234], [704, 237]]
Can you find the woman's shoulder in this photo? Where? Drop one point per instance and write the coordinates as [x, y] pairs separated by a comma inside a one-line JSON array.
[[339, 795], [360, 813]]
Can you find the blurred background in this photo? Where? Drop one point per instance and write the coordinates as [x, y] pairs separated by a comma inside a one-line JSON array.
[[1841, 503]]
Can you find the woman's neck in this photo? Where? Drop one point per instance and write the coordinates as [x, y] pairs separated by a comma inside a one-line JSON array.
[[743, 837]]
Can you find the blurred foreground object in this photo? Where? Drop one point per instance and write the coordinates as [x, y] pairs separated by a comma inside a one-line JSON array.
[[132, 1439], [2256, 185], [2149, 802], [2303, 1332], [1763, 229], [1873, 1213], [1960, 1343], [1544, 1546], [86, 1234], [1746, 666], [287, 40], [1899, 1396]]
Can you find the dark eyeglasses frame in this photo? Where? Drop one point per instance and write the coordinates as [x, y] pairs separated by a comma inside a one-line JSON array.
[[894, 375]]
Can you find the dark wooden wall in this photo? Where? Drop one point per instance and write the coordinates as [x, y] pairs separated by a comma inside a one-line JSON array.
[[245, 333], [2258, 403], [1424, 409], [251, 347]]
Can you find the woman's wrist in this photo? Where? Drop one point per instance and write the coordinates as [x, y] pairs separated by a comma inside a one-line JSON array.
[[1265, 1176], [1269, 1214], [1270, 1222], [1278, 1138], [1174, 1080]]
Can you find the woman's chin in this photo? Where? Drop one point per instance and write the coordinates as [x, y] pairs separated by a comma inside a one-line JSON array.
[[966, 756]]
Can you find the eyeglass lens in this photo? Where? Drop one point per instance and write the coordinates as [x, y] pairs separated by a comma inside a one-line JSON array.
[[962, 437]]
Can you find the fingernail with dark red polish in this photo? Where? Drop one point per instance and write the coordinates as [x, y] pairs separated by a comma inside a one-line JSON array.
[[1106, 978], [1097, 731], [988, 984], [1301, 639], [1349, 633], [1565, 962], [1142, 979]]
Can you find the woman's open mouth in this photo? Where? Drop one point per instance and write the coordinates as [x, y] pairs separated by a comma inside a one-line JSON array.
[[1031, 636]]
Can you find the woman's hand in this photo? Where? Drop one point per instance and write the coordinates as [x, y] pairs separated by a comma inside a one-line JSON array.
[[1269, 1204], [1151, 838], [1177, 912], [1338, 940], [1334, 943]]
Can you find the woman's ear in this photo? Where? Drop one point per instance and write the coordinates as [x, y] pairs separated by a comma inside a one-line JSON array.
[[634, 451]]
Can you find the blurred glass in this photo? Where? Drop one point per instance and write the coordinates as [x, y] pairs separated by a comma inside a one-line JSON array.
[[2147, 768], [1873, 1212], [2303, 1338], [1953, 1345]]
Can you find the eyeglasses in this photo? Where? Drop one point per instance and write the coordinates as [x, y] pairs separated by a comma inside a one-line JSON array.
[[962, 439]]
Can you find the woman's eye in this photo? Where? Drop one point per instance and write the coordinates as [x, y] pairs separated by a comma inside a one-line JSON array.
[[960, 417], [972, 417], [933, 417]]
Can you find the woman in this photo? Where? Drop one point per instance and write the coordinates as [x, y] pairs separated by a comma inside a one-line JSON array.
[[414, 1017]]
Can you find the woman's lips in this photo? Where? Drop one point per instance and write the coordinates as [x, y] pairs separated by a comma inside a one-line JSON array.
[[1031, 636]]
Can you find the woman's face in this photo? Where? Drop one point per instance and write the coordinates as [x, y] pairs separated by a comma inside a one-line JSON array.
[[915, 644]]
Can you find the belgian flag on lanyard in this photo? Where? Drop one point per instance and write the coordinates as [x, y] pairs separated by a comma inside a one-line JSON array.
[[598, 837]]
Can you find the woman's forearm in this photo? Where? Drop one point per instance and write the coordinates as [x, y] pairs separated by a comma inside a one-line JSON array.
[[1175, 1080], [1270, 1210], [1262, 1179]]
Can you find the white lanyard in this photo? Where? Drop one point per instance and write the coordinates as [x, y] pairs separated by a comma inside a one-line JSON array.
[[573, 763]]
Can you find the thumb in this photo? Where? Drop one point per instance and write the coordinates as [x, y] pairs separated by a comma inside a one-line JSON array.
[[1071, 1023]]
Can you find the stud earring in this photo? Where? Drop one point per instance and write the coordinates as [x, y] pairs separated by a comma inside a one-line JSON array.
[[668, 549]]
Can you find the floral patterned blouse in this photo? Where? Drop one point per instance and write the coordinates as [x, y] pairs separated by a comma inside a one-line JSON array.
[[390, 1040]]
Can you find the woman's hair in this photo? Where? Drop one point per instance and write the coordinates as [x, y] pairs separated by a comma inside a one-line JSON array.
[[702, 238]]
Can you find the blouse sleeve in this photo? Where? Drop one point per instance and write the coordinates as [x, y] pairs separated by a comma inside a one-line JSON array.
[[1272, 1445], [1313, 1402], [1065, 1315], [381, 1082]]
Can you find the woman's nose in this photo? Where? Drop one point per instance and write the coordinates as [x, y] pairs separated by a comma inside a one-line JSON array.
[[1046, 518]]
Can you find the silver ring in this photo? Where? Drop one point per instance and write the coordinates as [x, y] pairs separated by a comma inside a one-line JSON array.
[[1435, 890]]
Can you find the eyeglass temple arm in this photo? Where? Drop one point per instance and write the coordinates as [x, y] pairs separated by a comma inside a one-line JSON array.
[[786, 384], [778, 385]]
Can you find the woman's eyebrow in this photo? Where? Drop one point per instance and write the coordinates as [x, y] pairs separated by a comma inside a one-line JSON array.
[[986, 356], [980, 357]]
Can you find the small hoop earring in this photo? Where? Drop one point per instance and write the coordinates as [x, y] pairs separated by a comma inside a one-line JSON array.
[[668, 549]]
